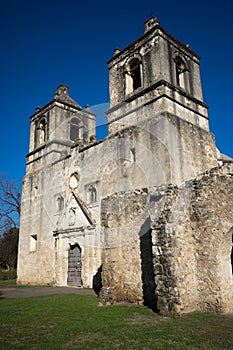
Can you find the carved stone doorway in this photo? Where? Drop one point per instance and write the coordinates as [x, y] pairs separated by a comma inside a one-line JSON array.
[[74, 266]]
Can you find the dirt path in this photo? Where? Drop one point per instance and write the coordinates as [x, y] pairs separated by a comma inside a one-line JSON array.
[[8, 291]]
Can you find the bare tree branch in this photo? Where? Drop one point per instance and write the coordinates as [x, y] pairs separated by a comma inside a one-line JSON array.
[[10, 203]]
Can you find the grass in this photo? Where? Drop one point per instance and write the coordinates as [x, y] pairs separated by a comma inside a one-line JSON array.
[[4, 282], [76, 322], [13, 284]]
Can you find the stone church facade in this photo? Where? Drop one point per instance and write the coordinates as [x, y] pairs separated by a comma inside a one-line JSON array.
[[145, 215]]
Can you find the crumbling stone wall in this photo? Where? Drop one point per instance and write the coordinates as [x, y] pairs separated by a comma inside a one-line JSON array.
[[212, 221], [121, 214], [170, 247]]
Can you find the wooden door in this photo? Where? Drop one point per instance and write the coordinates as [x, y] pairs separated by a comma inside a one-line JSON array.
[[74, 266]]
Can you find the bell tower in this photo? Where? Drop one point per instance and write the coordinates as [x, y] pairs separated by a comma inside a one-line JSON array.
[[57, 126], [156, 96], [155, 69]]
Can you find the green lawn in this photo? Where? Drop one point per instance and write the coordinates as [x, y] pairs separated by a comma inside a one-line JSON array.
[[13, 284], [76, 322]]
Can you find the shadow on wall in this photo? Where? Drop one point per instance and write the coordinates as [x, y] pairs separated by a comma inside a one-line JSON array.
[[148, 276], [97, 281]]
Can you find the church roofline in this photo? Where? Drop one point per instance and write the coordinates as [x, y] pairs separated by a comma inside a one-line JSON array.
[[155, 28], [53, 102], [61, 96], [225, 158]]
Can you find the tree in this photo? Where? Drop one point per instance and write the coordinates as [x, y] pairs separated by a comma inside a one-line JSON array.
[[10, 202], [9, 248]]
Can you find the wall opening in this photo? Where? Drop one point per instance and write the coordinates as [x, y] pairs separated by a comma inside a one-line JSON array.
[[72, 217], [74, 277], [91, 194], [180, 71], [132, 155], [148, 276], [74, 129], [97, 281], [133, 76], [33, 243], [60, 203], [41, 132]]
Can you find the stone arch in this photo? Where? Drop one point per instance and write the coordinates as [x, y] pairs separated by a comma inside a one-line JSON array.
[[59, 203], [133, 74], [181, 67], [91, 194], [41, 131], [74, 128]]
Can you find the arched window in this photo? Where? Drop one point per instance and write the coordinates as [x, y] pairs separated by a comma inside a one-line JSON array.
[[41, 132], [74, 129], [133, 76], [91, 194], [72, 216], [60, 203], [180, 71]]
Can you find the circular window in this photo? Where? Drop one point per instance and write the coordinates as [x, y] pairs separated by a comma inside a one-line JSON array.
[[74, 181]]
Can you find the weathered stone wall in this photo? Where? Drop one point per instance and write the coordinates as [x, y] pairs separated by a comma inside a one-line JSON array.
[[184, 232], [47, 261], [121, 216], [212, 220], [157, 51], [166, 245], [160, 150]]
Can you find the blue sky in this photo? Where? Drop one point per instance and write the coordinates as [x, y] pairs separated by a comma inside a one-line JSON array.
[[47, 42]]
